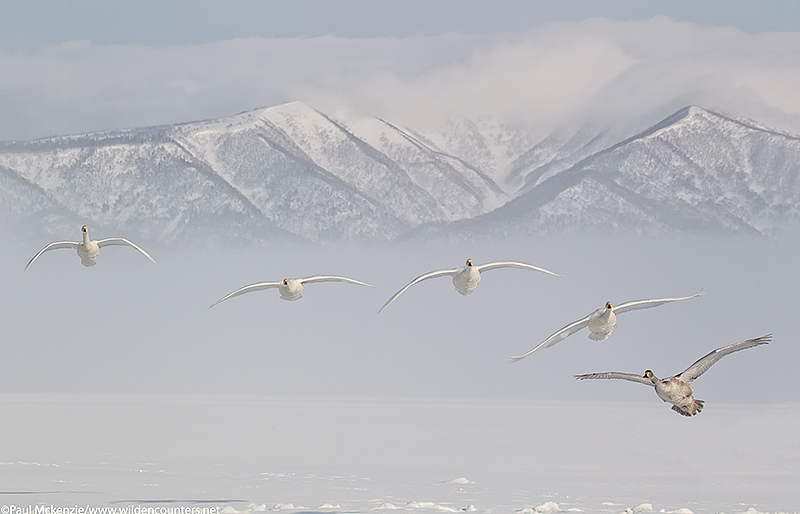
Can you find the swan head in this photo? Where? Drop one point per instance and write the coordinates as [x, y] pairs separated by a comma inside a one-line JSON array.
[[286, 281], [469, 262], [85, 229], [648, 374], [608, 305]]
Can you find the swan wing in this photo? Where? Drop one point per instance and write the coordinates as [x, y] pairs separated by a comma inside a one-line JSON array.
[[616, 374], [259, 286], [52, 246], [646, 304], [118, 241], [702, 364], [512, 264], [556, 337], [332, 278], [426, 276]]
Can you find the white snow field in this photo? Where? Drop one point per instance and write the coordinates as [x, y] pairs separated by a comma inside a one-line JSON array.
[[334, 455]]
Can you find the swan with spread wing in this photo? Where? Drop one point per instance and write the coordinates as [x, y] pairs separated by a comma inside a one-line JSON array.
[[290, 289], [602, 322], [676, 390], [88, 249], [466, 278]]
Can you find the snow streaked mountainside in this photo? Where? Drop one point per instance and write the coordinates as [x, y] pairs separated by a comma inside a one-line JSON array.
[[278, 172], [291, 171], [696, 171]]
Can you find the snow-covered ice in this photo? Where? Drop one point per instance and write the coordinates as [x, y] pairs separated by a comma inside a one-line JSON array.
[[256, 454]]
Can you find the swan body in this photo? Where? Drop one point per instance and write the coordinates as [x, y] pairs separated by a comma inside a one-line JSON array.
[[290, 289], [88, 249], [601, 323], [466, 278], [676, 390]]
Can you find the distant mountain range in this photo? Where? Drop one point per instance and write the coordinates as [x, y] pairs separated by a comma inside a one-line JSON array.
[[293, 172]]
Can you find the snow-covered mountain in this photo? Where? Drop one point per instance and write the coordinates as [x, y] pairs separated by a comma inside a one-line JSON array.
[[291, 171], [283, 171], [696, 171]]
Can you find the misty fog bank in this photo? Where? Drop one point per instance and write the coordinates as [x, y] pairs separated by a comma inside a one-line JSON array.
[[127, 325]]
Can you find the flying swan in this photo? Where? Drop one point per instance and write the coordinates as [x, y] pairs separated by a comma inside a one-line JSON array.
[[676, 390], [601, 323], [290, 288], [88, 250], [467, 277]]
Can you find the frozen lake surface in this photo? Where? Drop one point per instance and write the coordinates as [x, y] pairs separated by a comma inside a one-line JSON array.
[[359, 455]]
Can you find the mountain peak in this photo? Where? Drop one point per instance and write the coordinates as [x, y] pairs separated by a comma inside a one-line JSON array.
[[695, 171], [686, 115], [294, 108]]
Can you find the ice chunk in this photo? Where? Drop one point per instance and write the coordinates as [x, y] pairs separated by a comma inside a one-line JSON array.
[[460, 480]]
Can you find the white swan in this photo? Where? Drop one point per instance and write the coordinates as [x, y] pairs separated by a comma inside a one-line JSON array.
[[467, 277], [290, 288], [676, 390], [88, 250], [601, 323]]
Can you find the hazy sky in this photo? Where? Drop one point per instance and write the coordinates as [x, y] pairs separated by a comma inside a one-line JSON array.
[[181, 22], [92, 65]]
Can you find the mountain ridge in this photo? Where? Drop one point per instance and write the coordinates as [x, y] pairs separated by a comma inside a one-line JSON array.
[[666, 212], [291, 172]]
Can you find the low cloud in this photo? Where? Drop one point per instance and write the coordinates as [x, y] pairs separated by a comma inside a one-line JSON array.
[[594, 70]]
